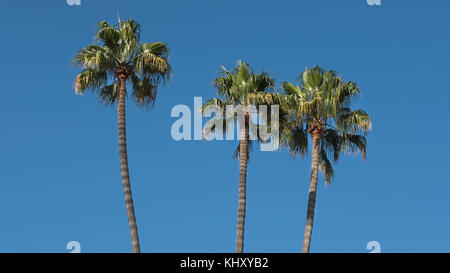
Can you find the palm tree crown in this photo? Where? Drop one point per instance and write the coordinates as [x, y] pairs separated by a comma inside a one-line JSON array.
[[321, 104], [122, 56], [242, 87]]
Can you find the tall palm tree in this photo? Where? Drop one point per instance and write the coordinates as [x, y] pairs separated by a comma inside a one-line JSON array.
[[121, 61], [320, 107], [243, 88]]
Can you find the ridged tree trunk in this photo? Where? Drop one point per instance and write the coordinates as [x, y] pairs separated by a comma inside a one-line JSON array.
[[124, 164], [316, 135], [243, 159]]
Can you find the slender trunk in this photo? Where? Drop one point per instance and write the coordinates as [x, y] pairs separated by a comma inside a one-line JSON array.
[[242, 187], [312, 191], [124, 165]]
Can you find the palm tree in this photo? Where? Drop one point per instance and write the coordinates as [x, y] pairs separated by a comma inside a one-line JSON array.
[[243, 88], [108, 68], [320, 107]]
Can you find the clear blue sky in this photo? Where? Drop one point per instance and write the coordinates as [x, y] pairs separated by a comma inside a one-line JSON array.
[[59, 166]]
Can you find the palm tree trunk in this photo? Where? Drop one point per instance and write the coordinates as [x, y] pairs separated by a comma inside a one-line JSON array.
[[312, 191], [243, 159], [124, 165]]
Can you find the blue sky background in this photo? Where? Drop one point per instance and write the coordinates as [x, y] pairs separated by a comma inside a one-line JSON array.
[[59, 165]]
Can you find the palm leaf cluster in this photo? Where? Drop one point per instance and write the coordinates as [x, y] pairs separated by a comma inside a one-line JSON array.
[[143, 65], [322, 102], [243, 88]]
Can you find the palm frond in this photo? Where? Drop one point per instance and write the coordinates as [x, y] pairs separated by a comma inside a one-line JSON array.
[[352, 143], [153, 61], [325, 166], [109, 35], [354, 121], [296, 139], [108, 94], [332, 143], [90, 80], [94, 57], [144, 91]]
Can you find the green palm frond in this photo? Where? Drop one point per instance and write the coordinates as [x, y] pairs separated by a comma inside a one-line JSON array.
[[153, 61], [290, 89], [242, 74], [95, 57], [332, 143], [108, 94], [90, 80], [352, 143], [354, 121], [312, 79], [144, 90], [325, 166], [344, 92], [108, 35], [130, 36], [296, 139]]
